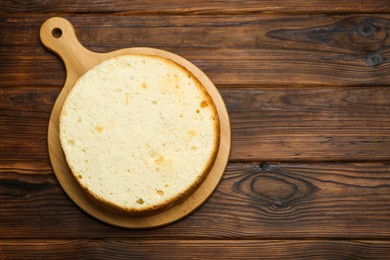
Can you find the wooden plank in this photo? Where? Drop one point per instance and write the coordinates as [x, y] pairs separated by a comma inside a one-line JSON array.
[[266, 201], [195, 249], [194, 6], [268, 123], [24, 118], [233, 50], [310, 124]]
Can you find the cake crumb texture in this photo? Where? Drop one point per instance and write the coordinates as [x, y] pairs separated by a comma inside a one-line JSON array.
[[138, 131]]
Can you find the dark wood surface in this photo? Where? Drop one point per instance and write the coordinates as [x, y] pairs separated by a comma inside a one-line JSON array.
[[306, 84]]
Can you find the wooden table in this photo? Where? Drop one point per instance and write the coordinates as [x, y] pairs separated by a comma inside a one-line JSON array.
[[306, 84]]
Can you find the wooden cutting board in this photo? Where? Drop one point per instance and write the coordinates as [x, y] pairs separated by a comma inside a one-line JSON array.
[[58, 35]]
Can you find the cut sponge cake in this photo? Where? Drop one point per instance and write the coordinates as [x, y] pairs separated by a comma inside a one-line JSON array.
[[139, 133]]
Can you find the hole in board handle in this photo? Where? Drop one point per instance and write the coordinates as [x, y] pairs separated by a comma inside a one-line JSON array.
[[56, 32]]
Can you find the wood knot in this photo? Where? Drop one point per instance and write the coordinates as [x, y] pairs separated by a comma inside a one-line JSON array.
[[369, 33], [366, 29], [280, 204], [352, 33], [374, 59], [264, 166], [274, 189], [279, 191]]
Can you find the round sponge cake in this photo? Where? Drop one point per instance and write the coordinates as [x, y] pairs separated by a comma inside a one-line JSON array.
[[139, 133]]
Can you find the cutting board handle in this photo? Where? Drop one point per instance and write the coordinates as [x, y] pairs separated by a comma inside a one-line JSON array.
[[59, 36]]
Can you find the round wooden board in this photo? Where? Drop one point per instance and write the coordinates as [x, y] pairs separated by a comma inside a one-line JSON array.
[[58, 35]]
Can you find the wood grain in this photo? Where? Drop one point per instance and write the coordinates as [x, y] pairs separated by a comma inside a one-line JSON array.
[[307, 88], [293, 123], [253, 201], [272, 49], [310, 124], [195, 6], [195, 249]]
